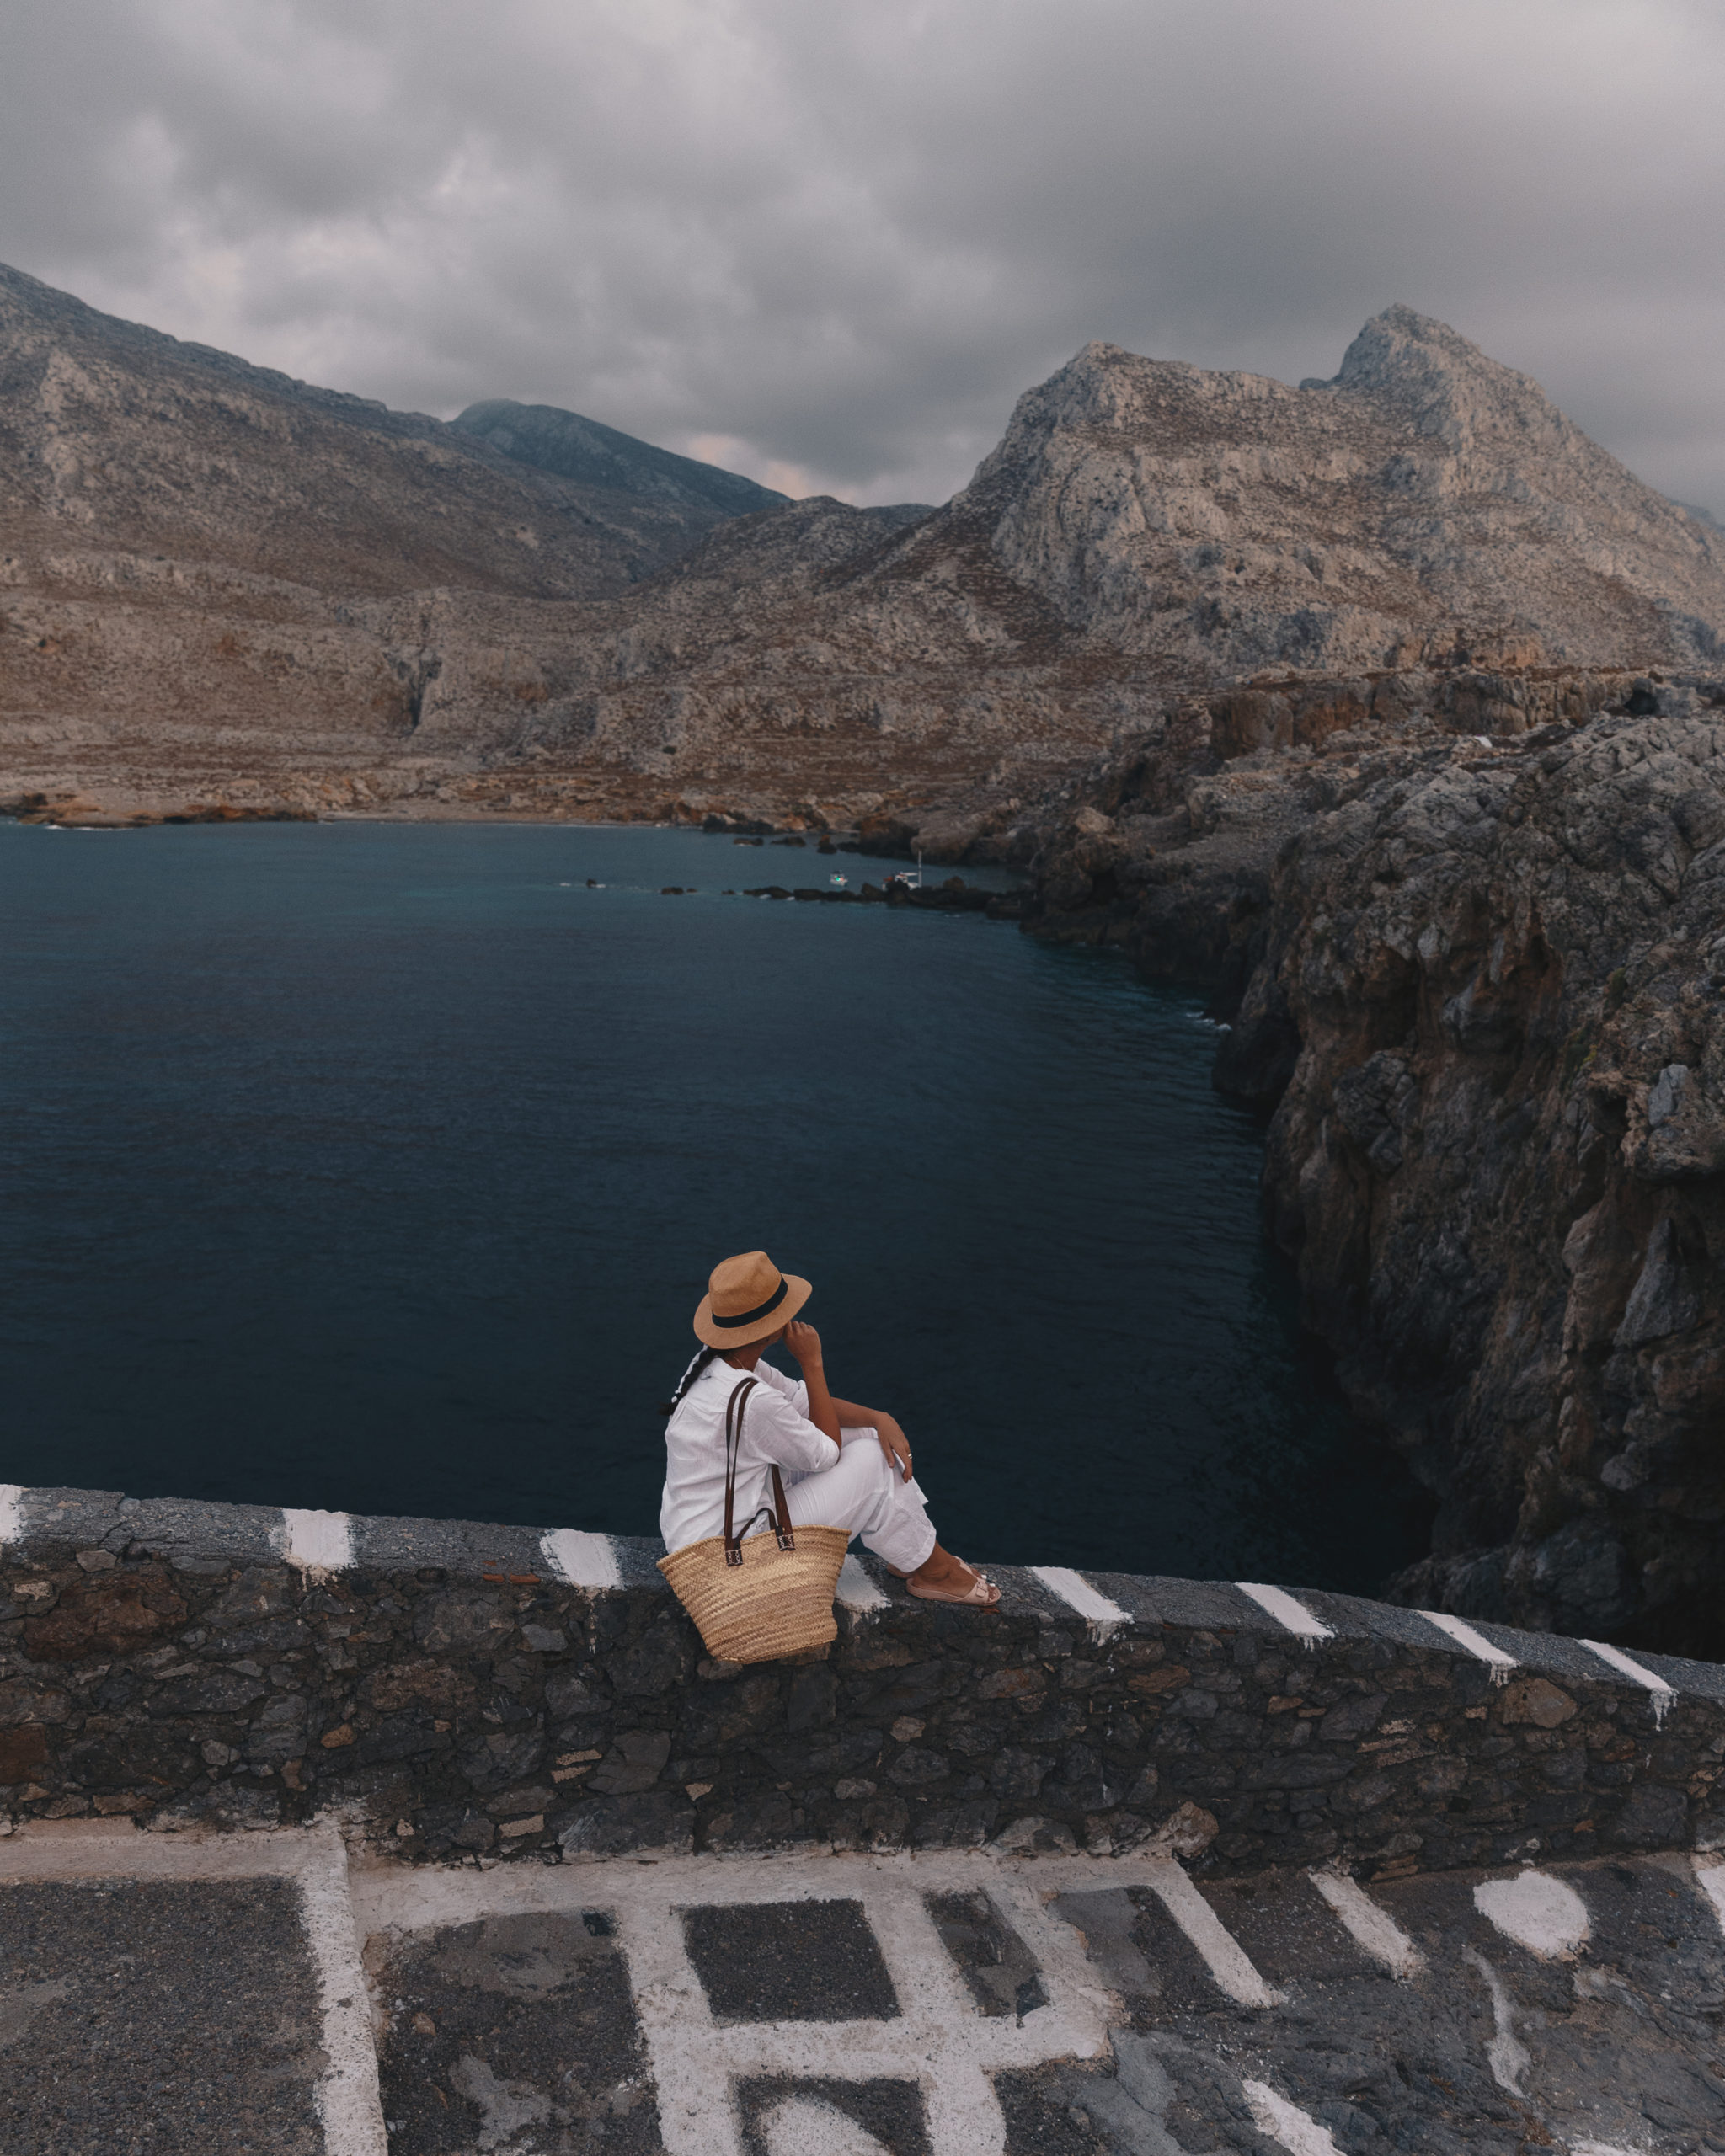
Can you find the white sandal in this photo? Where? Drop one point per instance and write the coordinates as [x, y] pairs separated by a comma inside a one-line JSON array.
[[981, 1594]]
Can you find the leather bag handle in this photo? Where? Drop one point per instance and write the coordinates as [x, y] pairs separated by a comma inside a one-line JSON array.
[[779, 1522]]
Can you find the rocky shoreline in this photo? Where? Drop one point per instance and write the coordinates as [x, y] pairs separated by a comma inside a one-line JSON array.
[[1473, 979], [1387, 707]]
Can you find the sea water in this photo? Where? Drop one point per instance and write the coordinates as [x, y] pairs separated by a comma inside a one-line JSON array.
[[379, 1167]]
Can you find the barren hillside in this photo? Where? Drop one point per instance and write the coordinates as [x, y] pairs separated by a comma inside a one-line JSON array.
[[222, 584]]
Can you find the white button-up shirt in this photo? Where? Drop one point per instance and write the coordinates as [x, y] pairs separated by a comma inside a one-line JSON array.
[[776, 1431]]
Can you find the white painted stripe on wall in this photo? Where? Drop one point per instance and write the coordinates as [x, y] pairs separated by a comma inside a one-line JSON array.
[[317, 1542], [11, 1512], [1374, 1930], [1660, 1692], [857, 1590], [1223, 1955], [1102, 1617], [579, 1559], [1282, 1606], [1476, 1644]]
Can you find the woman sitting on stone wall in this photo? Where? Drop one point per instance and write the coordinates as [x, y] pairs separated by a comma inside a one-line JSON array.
[[842, 1466]]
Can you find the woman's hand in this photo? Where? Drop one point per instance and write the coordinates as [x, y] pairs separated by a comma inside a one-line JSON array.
[[894, 1445], [803, 1342]]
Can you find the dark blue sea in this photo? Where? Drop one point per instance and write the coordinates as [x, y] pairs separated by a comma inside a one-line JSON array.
[[379, 1167]]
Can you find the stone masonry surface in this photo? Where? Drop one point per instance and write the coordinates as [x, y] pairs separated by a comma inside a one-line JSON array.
[[447, 1691]]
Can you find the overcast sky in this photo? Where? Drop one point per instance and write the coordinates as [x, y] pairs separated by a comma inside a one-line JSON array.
[[827, 242]]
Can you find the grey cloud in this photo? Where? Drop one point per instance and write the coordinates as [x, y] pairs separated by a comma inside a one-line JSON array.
[[846, 237]]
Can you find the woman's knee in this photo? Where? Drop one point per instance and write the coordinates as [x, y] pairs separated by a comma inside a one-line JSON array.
[[881, 1469]]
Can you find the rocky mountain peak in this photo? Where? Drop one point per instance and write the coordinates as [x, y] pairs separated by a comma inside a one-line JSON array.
[[586, 450], [131, 438], [1446, 388], [1425, 499]]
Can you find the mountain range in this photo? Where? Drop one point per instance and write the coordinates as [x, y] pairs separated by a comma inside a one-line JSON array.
[[219, 583]]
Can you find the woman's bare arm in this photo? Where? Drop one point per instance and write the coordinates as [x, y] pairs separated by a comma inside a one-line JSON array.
[[893, 1441], [803, 1342]]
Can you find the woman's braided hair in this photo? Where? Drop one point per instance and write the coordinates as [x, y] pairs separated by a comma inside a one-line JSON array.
[[707, 1356]]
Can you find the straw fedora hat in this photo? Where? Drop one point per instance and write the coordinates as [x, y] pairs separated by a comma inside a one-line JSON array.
[[748, 1299]]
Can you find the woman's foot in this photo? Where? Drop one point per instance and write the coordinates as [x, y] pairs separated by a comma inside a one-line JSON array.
[[946, 1578]]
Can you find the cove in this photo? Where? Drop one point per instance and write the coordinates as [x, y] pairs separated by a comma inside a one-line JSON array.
[[378, 1167]]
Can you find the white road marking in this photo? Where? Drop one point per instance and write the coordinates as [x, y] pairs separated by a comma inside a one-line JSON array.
[[1660, 1693], [1508, 2057], [1477, 1644], [11, 1513], [579, 1559], [346, 2094], [1102, 1618], [1274, 2115], [1223, 1956], [1374, 1930], [938, 2041], [1711, 1879], [857, 1590], [1537, 1911], [1282, 1606], [804, 2126], [318, 1543]]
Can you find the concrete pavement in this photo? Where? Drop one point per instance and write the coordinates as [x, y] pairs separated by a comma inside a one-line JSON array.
[[265, 1990]]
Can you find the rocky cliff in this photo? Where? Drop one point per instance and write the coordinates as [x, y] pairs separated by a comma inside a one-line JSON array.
[[1500, 1159], [1478, 978], [222, 583]]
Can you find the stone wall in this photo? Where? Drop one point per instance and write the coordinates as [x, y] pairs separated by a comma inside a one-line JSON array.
[[462, 1690]]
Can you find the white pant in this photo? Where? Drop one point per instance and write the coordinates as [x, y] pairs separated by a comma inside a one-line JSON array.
[[863, 1491]]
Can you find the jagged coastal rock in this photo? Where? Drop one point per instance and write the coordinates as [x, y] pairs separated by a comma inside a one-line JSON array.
[[1500, 1159], [1477, 981]]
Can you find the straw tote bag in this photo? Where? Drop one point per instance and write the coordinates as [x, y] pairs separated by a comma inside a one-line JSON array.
[[761, 1599]]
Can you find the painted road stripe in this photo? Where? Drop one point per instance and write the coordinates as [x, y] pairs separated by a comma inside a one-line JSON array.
[[857, 1590], [1102, 1617], [317, 1542], [1297, 2131], [1223, 1955], [346, 2092], [1661, 1693], [1374, 1930], [11, 1512], [1282, 1606], [938, 2039], [579, 1559], [1711, 1879], [1475, 1643], [349, 2102]]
